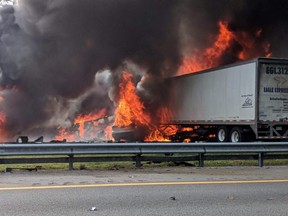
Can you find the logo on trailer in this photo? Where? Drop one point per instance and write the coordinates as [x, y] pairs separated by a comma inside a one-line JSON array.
[[248, 103]]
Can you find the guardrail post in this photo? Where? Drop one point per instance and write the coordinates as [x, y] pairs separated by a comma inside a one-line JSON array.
[[201, 159], [138, 161], [260, 160], [70, 159]]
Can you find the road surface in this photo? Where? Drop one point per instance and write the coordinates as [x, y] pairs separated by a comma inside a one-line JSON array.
[[161, 191]]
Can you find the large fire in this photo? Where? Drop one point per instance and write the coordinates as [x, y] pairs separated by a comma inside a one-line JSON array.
[[163, 131], [130, 109], [210, 57], [87, 127], [130, 112]]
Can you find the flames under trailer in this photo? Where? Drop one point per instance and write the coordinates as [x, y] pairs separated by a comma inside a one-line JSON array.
[[240, 102]]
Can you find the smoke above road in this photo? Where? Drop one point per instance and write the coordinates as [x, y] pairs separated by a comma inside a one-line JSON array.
[[60, 58]]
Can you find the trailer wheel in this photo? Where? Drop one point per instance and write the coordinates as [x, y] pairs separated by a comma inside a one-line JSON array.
[[236, 135], [222, 134]]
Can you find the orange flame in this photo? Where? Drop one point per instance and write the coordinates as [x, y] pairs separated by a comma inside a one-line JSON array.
[[65, 135], [81, 133], [156, 135], [130, 110], [81, 119], [108, 133], [223, 41], [162, 133], [249, 48], [211, 56]]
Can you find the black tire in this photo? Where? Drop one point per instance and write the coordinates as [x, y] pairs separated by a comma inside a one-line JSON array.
[[237, 135], [222, 134]]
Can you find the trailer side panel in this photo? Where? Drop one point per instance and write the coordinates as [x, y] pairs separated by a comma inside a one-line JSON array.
[[219, 96]]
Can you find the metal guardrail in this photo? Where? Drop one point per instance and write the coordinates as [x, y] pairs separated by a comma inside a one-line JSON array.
[[139, 150]]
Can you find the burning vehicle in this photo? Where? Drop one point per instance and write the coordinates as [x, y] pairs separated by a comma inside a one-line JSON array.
[[128, 134], [91, 128], [240, 102], [97, 70], [234, 103]]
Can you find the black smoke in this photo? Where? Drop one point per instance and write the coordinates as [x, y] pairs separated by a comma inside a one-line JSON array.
[[53, 52], [268, 16]]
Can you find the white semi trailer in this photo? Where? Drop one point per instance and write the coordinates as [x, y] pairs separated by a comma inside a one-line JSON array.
[[240, 102]]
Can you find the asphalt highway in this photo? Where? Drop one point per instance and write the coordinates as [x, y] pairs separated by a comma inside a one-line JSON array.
[[231, 191]]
